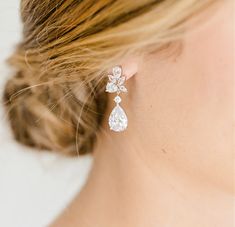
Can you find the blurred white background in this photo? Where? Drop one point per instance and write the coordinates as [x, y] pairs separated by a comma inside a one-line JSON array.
[[34, 186]]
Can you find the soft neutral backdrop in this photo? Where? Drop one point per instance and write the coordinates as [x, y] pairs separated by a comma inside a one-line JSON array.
[[34, 186]]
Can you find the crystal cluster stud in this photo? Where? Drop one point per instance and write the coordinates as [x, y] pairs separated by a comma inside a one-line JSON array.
[[117, 120]]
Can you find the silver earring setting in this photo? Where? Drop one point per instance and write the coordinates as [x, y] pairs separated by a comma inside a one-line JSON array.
[[117, 120]]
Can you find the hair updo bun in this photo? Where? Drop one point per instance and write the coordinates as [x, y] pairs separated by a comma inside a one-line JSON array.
[[48, 115]]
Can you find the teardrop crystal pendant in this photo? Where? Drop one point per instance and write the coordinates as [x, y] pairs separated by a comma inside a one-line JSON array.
[[118, 119]]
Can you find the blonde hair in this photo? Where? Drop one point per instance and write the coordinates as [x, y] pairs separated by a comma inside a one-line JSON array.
[[56, 100]]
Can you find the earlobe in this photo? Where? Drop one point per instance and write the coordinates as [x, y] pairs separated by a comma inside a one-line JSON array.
[[130, 68]]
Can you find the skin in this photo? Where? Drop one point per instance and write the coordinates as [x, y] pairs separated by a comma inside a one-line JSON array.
[[174, 166]]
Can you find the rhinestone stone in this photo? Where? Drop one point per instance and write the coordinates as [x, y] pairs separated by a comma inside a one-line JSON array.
[[111, 87], [117, 71], [117, 99], [118, 119]]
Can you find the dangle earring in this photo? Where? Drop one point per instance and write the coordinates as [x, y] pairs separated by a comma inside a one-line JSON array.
[[117, 120]]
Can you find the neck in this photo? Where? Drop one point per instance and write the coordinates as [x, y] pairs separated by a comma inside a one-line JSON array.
[[125, 189]]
